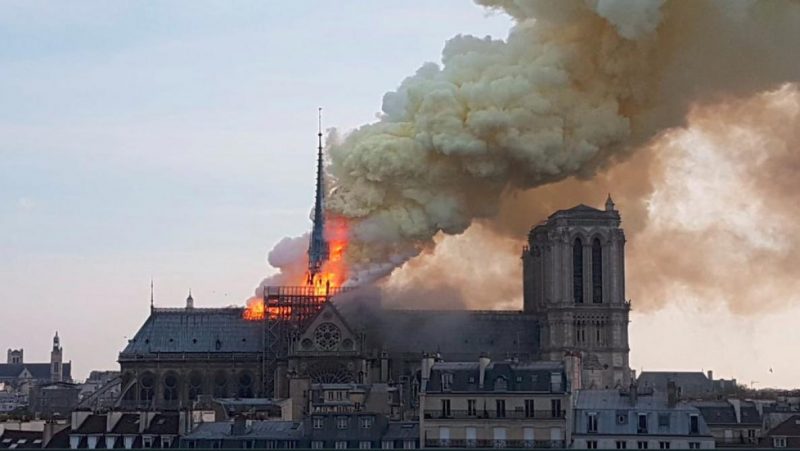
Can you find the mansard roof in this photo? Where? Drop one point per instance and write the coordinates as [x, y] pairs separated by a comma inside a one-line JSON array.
[[197, 330], [13, 439], [516, 377], [269, 430]]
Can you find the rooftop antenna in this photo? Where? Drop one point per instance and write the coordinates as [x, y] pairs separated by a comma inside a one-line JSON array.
[[151, 295]]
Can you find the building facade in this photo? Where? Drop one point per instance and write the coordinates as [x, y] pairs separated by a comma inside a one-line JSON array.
[[628, 419], [493, 404], [19, 376], [574, 281], [574, 308]]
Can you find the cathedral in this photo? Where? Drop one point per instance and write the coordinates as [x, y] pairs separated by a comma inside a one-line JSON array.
[[574, 310]]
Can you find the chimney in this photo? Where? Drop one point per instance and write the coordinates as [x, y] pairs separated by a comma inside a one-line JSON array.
[[573, 367], [483, 363], [427, 365], [710, 375], [634, 392], [672, 394]]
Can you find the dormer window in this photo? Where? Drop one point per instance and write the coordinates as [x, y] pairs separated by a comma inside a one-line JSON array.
[[447, 381]]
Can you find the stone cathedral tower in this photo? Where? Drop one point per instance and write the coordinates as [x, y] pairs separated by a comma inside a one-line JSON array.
[[574, 281]]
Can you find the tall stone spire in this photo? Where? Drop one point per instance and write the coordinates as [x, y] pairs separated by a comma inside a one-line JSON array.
[[318, 246]]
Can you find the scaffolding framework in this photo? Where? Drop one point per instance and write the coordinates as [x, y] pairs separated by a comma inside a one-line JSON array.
[[288, 310]]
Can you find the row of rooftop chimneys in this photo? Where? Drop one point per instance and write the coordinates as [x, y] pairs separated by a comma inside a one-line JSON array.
[[429, 360]]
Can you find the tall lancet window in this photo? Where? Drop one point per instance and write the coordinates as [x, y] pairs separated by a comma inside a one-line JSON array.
[[577, 271], [597, 272]]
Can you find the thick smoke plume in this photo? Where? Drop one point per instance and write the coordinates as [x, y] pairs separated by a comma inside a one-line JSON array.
[[576, 84], [575, 88]]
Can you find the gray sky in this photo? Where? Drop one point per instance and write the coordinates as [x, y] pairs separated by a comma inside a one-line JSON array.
[[176, 140]]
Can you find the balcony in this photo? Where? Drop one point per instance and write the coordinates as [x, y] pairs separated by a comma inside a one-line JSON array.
[[516, 444], [492, 415]]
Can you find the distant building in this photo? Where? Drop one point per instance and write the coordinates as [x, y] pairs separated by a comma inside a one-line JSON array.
[[100, 392], [347, 431], [690, 384], [243, 434], [784, 435], [733, 423], [617, 419], [19, 376], [126, 430], [574, 303], [493, 404], [55, 399]]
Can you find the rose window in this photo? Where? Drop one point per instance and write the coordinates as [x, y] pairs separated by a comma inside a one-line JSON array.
[[327, 336]]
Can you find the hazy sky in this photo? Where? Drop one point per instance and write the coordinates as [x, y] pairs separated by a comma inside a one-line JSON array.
[[175, 140]]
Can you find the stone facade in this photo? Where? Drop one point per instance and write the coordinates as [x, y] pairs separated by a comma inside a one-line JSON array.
[[574, 281], [181, 354]]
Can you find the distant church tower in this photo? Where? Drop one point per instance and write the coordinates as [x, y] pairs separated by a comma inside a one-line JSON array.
[[574, 280], [56, 361]]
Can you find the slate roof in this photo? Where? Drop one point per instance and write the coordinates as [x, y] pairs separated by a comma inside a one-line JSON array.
[[611, 405], [127, 424], [455, 334], [527, 377], [788, 428], [38, 370], [207, 330], [163, 424], [93, 424], [402, 431], [266, 430], [691, 383], [20, 439], [60, 439]]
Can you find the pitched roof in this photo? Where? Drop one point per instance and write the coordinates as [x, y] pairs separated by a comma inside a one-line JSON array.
[[39, 371], [691, 383], [127, 424], [212, 330], [60, 439], [457, 335], [93, 424], [789, 428]]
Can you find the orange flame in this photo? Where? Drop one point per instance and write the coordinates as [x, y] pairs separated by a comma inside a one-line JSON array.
[[333, 274], [334, 271], [255, 311]]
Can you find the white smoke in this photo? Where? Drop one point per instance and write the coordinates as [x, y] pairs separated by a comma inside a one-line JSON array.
[[574, 86]]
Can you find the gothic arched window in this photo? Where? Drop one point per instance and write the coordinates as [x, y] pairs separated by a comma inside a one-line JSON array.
[[577, 271], [597, 272]]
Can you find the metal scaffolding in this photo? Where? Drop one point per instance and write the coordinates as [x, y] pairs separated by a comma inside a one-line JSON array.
[[287, 311]]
